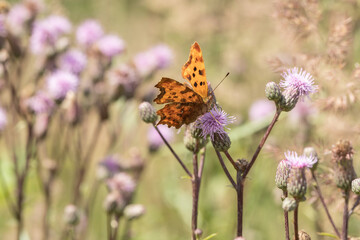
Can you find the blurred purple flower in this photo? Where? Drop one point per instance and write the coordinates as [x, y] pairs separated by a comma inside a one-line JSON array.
[[73, 61], [123, 183], [3, 30], [110, 45], [300, 161], [301, 112], [108, 167], [89, 32], [299, 80], [261, 109], [3, 119], [125, 77], [154, 139], [40, 103], [60, 83], [214, 121], [47, 32], [158, 57], [17, 18]]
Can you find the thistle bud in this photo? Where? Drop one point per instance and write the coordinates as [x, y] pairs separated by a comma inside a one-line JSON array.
[[114, 203], [242, 164], [296, 185], [198, 233], [134, 211], [303, 235], [273, 92], [221, 142], [342, 156], [147, 112], [311, 152], [282, 174], [71, 215], [355, 186], [289, 204], [195, 130], [289, 99], [193, 144]]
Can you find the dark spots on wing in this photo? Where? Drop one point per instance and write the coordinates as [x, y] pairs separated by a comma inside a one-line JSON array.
[[190, 97], [195, 84], [195, 69], [188, 77], [183, 100], [197, 47], [193, 74], [201, 83], [175, 96], [173, 93], [179, 114], [201, 59], [201, 72], [183, 91]]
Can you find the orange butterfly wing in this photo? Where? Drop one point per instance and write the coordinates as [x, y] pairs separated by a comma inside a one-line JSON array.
[[184, 107], [194, 71]]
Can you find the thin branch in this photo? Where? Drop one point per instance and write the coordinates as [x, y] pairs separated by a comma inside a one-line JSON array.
[[240, 202], [231, 160], [296, 225], [317, 188], [344, 233], [202, 162], [173, 152], [195, 193], [225, 169], [356, 203], [262, 142], [286, 218]]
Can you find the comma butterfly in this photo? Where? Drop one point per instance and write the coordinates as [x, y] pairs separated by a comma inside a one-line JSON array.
[[185, 105]]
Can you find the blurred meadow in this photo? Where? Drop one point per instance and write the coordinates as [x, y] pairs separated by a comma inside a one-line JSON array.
[[254, 40]]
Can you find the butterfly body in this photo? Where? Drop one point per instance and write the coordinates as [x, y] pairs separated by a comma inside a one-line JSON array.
[[185, 104]]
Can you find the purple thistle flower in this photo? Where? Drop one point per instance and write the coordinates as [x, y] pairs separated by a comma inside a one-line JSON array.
[[213, 122], [47, 32], [157, 57], [300, 161], [60, 83], [123, 183], [299, 80], [154, 139], [108, 167], [17, 17], [73, 61], [3, 119], [89, 32], [261, 109], [110, 45], [40, 103]]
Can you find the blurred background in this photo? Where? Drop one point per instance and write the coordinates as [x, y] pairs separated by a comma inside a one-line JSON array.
[[254, 40]]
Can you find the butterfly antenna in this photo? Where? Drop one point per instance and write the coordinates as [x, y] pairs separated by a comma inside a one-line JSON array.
[[220, 82]]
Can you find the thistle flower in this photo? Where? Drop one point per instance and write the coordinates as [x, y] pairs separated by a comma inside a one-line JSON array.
[[214, 122], [221, 142], [110, 45], [89, 32], [40, 103], [60, 83], [163, 56], [47, 32], [3, 119], [193, 144], [134, 211], [108, 167], [342, 157], [301, 161], [355, 186], [261, 109], [282, 174], [17, 18], [124, 80], [123, 183], [154, 139], [114, 203], [289, 204], [73, 61], [297, 84]]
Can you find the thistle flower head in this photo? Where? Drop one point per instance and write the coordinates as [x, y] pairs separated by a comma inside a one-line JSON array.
[[355, 186], [40, 103], [73, 61], [108, 167], [298, 80], [214, 122], [60, 83], [110, 45], [122, 183], [301, 161], [17, 17], [89, 32]]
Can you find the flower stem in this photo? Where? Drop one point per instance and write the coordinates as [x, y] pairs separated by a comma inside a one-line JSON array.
[[356, 203], [225, 169], [195, 195], [173, 152], [296, 225], [262, 142], [231, 160], [286, 218], [240, 202], [345, 216], [317, 188]]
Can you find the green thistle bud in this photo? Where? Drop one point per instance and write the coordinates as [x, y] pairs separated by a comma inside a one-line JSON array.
[[221, 142], [289, 204], [342, 157], [195, 130], [273, 92], [114, 203], [193, 144], [147, 112], [355, 186], [303, 235], [289, 99], [296, 185], [282, 174], [310, 151]]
